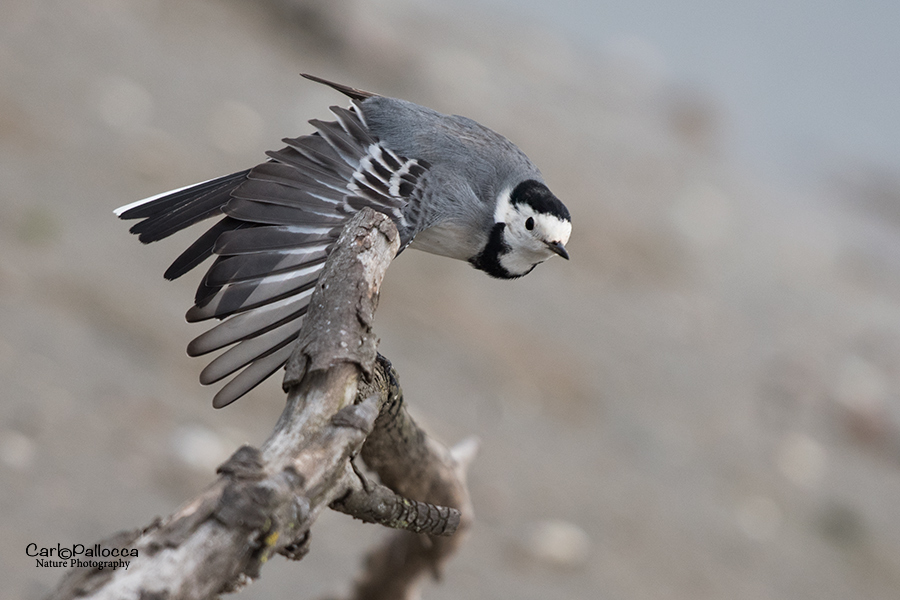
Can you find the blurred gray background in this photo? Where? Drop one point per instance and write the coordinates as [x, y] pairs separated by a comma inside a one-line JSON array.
[[702, 403]]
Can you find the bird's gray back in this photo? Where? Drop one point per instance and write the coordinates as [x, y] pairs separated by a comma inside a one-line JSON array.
[[454, 145]]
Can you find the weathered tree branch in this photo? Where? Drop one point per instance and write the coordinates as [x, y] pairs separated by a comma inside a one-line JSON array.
[[414, 466], [374, 503], [265, 501]]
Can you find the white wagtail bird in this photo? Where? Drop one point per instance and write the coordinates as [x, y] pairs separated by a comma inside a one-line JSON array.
[[451, 186]]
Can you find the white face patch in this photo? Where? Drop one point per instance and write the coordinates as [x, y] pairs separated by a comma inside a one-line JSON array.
[[528, 246], [504, 207]]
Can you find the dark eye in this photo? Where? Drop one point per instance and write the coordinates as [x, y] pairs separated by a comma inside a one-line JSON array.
[[529, 223]]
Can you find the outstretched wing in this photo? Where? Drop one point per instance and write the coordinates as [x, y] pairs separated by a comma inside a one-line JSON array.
[[280, 221]]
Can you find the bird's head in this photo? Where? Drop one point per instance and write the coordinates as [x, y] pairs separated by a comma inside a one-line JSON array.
[[532, 224]]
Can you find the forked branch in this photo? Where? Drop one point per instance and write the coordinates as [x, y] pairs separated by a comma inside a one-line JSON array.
[[341, 403]]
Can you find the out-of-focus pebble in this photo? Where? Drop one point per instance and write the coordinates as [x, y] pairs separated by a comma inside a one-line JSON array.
[[16, 450], [558, 543], [199, 448], [801, 459]]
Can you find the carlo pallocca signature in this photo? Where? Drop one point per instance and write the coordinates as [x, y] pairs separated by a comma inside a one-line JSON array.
[[79, 555]]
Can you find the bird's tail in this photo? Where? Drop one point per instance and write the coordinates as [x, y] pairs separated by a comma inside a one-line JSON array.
[[170, 212]]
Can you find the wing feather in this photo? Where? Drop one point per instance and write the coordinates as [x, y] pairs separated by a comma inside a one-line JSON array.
[[203, 248], [257, 211], [247, 350], [275, 237], [258, 265], [252, 376], [249, 324], [241, 296]]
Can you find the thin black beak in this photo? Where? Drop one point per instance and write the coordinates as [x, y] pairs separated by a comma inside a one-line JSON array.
[[558, 248]]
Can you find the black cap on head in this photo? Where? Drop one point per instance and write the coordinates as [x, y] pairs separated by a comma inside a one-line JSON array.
[[539, 197]]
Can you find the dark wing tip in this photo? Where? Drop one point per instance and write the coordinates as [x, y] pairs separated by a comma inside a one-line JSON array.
[[354, 93]]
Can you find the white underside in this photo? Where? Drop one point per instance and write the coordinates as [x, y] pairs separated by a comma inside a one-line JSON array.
[[448, 239]]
